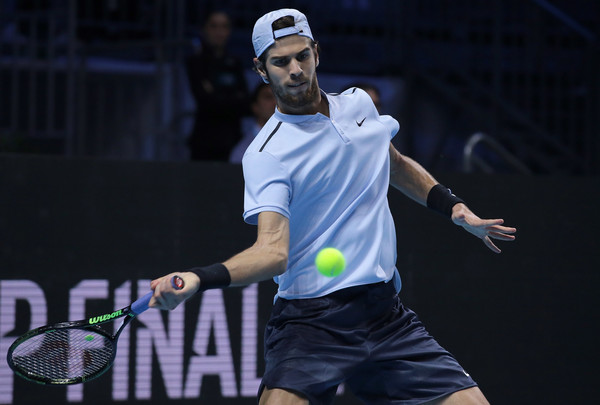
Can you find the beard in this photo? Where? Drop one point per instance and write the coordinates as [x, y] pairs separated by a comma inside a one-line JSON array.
[[296, 101]]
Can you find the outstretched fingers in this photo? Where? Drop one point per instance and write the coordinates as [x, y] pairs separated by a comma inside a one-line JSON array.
[[484, 229], [501, 232], [488, 242], [501, 235]]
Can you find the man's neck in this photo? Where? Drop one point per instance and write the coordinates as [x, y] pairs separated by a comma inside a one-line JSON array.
[[321, 105]]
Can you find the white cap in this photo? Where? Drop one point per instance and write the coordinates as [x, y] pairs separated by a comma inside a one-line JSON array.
[[263, 35]]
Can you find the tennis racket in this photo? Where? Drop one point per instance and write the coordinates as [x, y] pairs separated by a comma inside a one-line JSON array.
[[73, 352]]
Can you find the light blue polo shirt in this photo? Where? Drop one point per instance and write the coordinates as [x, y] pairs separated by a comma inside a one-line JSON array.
[[330, 177]]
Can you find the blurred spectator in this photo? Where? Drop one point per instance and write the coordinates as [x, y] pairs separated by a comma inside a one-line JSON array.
[[262, 105], [219, 88], [372, 91]]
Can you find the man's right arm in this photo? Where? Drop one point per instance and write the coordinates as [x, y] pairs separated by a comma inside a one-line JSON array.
[[265, 259], [268, 257]]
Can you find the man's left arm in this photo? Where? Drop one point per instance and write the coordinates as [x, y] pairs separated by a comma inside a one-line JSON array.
[[414, 181]]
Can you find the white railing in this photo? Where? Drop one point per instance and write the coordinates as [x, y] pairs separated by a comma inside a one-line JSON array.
[[472, 161]]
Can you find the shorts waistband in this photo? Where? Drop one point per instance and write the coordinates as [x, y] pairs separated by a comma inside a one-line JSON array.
[[381, 289]]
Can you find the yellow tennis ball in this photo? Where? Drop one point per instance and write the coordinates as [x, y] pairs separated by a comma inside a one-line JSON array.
[[330, 262]]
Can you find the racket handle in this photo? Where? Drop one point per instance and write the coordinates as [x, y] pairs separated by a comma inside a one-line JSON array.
[[141, 304]]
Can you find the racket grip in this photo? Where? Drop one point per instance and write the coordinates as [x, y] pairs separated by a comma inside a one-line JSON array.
[[141, 304]]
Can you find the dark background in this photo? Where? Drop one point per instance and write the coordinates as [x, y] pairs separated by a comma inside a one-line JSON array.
[[105, 79], [522, 323]]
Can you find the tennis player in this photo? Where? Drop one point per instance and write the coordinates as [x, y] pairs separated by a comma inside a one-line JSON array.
[[317, 175]]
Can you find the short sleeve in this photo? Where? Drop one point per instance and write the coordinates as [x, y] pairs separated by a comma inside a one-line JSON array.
[[391, 124], [267, 186]]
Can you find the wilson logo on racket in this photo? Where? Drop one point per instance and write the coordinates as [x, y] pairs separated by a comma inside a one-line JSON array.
[[105, 317]]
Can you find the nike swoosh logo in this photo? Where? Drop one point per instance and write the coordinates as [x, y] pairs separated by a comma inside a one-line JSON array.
[[360, 123]]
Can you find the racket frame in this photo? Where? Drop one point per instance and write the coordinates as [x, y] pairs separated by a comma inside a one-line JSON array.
[[129, 312], [82, 324]]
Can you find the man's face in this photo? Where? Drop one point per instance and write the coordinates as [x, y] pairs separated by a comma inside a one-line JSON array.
[[291, 65]]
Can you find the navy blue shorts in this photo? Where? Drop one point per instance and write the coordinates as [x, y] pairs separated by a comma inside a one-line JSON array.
[[363, 337]]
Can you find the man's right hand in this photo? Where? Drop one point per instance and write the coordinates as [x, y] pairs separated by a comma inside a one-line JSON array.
[[168, 297]]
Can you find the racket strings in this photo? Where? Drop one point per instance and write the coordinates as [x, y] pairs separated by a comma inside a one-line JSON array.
[[63, 354]]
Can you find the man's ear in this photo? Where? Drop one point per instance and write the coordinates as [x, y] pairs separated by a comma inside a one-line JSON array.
[[260, 69]]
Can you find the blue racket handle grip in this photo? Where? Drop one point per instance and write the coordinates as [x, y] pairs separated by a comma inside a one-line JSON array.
[[141, 304]]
